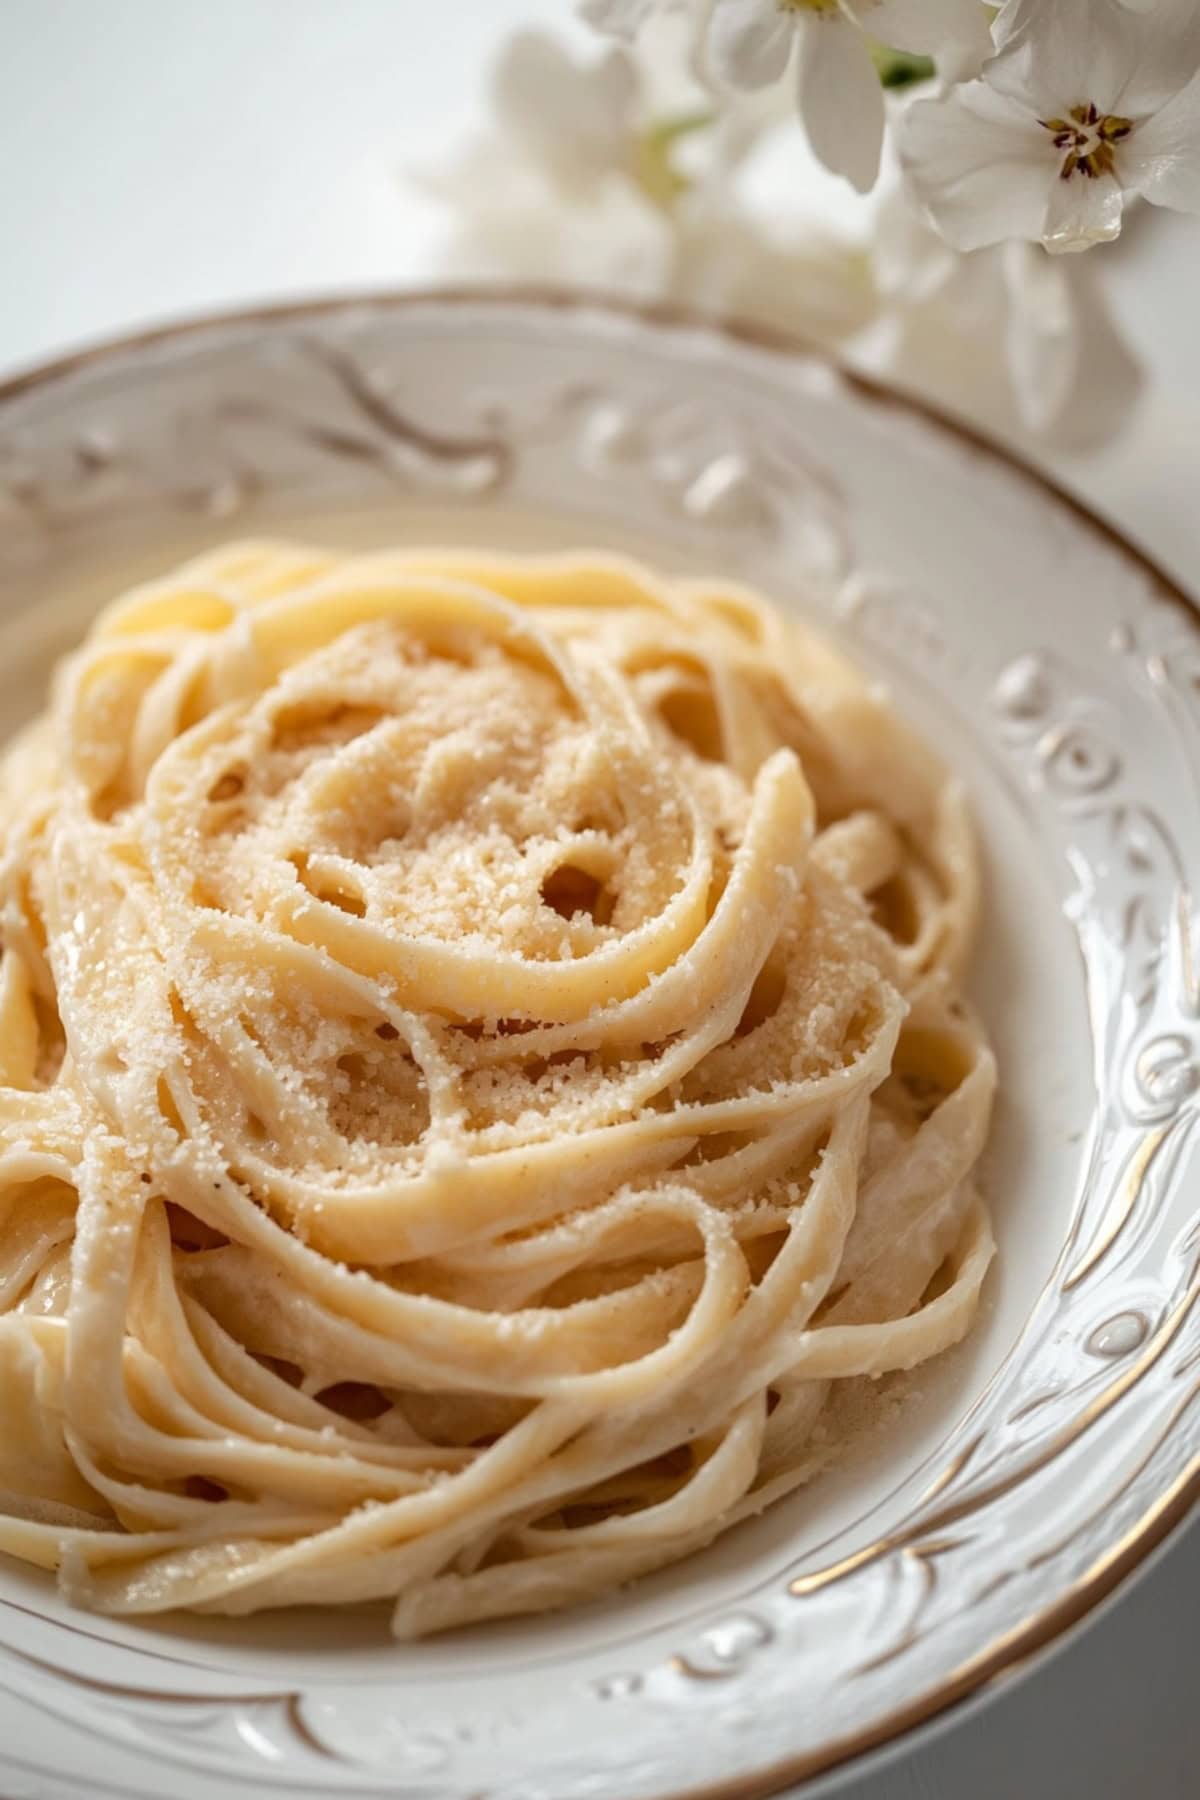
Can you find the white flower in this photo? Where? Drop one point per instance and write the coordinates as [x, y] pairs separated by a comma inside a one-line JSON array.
[[1007, 335], [751, 43], [556, 185], [579, 177], [1088, 101]]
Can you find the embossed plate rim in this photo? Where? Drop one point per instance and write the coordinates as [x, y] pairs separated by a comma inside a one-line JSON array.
[[43, 371]]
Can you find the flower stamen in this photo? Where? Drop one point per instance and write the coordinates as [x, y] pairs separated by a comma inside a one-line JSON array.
[[1088, 137]]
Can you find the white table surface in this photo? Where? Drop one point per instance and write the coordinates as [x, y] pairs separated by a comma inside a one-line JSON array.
[[161, 157]]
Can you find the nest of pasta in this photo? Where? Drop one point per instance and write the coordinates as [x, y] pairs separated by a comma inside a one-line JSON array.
[[482, 1060]]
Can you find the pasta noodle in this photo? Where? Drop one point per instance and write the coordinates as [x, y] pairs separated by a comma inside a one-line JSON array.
[[481, 1059]]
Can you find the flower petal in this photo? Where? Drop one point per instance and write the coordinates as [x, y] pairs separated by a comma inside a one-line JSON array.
[[575, 115], [1039, 339], [1161, 157], [1082, 212], [1065, 373], [1074, 377], [841, 101], [1124, 60], [934, 28], [1047, 63], [749, 42], [1168, 55], [909, 261], [616, 18], [979, 165]]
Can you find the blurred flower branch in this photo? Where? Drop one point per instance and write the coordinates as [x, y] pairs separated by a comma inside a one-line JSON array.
[[891, 177]]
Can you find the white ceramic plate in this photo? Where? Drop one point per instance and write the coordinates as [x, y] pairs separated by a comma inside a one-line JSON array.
[[1037, 1463]]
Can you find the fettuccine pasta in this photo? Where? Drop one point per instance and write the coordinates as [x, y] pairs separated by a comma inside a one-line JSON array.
[[481, 1060]]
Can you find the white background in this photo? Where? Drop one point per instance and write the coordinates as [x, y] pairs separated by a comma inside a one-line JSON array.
[[161, 157]]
